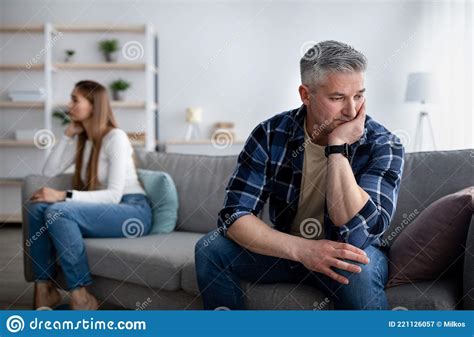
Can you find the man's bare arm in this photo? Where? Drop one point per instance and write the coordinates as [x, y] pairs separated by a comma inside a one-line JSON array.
[[317, 255], [343, 196]]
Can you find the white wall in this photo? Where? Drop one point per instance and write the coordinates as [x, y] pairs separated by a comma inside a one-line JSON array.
[[238, 60]]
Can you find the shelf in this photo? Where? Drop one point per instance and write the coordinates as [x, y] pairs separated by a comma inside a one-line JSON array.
[[21, 66], [11, 181], [100, 66], [10, 218], [16, 143], [16, 105], [116, 104], [101, 28], [22, 29], [40, 105], [198, 142]]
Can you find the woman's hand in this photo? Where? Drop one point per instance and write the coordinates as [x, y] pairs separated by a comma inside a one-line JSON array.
[[47, 194], [73, 129]]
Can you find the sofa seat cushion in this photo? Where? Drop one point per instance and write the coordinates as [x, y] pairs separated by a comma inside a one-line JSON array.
[[440, 295], [444, 294], [154, 261], [273, 296]]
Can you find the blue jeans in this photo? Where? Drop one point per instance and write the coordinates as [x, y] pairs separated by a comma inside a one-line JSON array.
[[221, 264], [56, 231]]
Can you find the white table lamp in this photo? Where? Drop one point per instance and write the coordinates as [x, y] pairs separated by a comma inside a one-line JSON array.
[[419, 89]]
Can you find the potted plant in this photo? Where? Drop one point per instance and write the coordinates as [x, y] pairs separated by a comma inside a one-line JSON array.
[[61, 116], [109, 49], [69, 55], [118, 88]]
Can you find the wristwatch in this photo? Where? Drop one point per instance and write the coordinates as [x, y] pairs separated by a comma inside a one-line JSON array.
[[344, 149], [69, 194]]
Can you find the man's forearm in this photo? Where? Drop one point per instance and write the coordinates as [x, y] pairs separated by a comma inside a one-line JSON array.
[[344, 197], [253, 234]]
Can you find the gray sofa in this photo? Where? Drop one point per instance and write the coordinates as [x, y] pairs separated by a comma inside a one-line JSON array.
[[157, 271]]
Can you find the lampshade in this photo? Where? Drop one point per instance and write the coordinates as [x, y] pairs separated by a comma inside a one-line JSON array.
[[419, 88], [193, 115]]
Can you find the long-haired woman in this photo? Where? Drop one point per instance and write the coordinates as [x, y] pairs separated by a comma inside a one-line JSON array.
[[105, 200]]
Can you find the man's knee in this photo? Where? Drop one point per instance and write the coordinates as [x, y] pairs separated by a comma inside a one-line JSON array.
[[374, 273], [365, 289], [210, 251]]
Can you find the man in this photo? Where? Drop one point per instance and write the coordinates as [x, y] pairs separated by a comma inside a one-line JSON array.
[[332, 175]]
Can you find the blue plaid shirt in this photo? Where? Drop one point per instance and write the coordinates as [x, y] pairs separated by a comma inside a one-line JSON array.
[[270, 167]]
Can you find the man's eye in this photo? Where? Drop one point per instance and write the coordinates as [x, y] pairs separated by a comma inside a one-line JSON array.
[[337, 98], [358, 96]]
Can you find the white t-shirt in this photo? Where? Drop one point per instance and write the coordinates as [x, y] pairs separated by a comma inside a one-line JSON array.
[[116, 171]]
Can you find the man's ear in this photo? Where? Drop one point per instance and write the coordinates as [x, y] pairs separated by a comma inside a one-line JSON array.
[[304, 94]]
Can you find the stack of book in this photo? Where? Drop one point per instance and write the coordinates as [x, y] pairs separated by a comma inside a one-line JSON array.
[[37, 95]]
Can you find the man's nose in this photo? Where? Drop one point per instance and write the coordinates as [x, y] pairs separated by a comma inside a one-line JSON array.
[[350, 110]]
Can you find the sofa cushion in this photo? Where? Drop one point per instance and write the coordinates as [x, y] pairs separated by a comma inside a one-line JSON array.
[[200, 181], [427, 177], [153, 261], [436, 239], [274, 296], [443, 294], [161, 191], [285, 296]]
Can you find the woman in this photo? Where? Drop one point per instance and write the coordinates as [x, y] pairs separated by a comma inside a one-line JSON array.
[[107, 199]]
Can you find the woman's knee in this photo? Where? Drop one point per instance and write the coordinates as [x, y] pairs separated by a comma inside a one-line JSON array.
[[36, 209], [53, 215]]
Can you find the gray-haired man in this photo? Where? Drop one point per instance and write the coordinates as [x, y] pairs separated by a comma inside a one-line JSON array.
[[332, 176]]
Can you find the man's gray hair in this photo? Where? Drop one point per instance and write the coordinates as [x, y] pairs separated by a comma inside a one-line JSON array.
[[330, 57]]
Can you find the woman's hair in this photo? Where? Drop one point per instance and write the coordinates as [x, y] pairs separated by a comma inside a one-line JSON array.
[[103, 121]]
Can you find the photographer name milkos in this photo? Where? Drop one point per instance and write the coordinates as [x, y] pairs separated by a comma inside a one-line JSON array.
[[454, 324]]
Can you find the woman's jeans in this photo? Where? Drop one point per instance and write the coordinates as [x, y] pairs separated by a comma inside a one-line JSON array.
[[221, 264], [56, 231]]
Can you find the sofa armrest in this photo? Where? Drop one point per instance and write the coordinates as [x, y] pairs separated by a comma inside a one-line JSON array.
[[468, 278], [30, 185]]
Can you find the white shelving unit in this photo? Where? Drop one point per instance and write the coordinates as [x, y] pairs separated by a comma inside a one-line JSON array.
[[50, 68]]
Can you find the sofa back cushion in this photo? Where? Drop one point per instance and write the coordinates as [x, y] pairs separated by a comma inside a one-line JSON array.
[[200, 181], [427, 177]]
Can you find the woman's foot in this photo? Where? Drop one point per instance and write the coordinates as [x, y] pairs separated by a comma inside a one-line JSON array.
[[81, 299], [46, 295]]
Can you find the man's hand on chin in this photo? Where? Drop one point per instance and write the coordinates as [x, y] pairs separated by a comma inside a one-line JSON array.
[[349, 132]]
